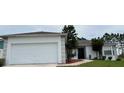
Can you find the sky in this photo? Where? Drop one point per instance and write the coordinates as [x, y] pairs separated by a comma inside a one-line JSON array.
[[86, 31]]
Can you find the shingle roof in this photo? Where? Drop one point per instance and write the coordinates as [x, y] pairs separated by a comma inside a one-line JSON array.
[[84, 42], [31, 33]]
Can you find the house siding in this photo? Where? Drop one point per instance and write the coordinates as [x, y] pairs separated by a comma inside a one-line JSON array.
[[89, 52]]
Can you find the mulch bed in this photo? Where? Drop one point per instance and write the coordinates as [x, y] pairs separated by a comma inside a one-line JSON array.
[[73, 61]]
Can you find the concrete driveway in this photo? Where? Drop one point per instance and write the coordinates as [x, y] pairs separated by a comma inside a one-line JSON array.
[[51, 65], [33, 65]]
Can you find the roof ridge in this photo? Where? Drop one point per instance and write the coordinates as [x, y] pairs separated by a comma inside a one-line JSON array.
[[34, 32]]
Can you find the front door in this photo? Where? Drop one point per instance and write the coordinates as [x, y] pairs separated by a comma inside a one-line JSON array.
[[81, 53]]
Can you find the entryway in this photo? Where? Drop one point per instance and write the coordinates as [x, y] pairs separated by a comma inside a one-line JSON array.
[[81, 53]]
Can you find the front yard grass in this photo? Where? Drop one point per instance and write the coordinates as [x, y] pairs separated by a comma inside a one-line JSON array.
[[103, 63]]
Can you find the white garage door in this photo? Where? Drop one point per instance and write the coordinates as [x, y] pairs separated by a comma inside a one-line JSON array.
[[34, 53]]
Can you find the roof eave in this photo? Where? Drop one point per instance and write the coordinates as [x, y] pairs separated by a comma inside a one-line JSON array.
[[17, 35]]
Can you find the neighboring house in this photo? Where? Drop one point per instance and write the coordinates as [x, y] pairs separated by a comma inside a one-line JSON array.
[[85, 51], [1, 48], [119, 45], [34, 48], [110, 50], [122, 47]]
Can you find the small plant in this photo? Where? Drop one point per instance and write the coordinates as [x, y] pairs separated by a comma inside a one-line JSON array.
[[110, 58], [118, 59], [103, 57]]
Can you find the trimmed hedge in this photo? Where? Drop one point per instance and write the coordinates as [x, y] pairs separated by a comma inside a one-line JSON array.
[[118, 59]]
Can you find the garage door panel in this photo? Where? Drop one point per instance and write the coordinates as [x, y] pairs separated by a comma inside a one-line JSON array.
[[34, 53]]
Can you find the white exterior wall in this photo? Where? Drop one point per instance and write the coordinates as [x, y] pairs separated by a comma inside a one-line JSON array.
[[26, 39], [119, 49], [89, 51], [63, 54]]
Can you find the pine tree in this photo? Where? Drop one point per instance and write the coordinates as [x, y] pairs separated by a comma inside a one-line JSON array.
[[71, 42], [97, 44]]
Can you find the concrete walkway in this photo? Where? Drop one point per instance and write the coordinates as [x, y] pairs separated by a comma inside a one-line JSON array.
[[75, 64]]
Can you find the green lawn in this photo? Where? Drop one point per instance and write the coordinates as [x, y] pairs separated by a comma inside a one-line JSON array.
[[102, 63]]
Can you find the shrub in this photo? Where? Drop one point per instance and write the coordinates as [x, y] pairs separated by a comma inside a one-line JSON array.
[[2, 62], [95, 58], [121, 56], [103, 57], [118, 59], [110, 58]]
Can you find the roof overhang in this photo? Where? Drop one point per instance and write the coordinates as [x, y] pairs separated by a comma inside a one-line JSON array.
[[30, 34]]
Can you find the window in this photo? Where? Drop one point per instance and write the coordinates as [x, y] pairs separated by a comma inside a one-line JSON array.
[[107, 52]]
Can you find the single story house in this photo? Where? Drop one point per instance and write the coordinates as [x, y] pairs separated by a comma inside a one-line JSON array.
[[34, 48], [85, 51]]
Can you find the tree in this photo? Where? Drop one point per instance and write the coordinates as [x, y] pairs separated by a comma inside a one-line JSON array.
[[106, 37], [71, 42], [97, 45], [118, 36]]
